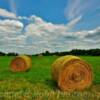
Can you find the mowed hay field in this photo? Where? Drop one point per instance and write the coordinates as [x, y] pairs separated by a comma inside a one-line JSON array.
[[37, 84]]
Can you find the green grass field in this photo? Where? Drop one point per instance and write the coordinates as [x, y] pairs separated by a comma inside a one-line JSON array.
[[37, 83]]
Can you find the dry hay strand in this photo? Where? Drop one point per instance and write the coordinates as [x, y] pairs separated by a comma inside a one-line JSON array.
[[72, 73], [21, 64]]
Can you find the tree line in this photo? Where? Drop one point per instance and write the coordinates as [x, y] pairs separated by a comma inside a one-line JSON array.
[[77, 52]]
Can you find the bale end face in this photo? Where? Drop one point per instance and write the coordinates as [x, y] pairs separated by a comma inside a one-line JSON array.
[[21, 64], [71, 73]]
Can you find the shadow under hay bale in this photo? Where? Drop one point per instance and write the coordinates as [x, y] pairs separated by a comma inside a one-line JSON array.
[[21, 64], [51, 84], [71, 73]]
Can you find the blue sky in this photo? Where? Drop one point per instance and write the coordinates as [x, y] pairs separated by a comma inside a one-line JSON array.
[[49, 10], [31, 22]]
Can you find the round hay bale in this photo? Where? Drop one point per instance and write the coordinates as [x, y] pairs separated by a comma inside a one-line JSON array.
[[21, 64], [71, 73]]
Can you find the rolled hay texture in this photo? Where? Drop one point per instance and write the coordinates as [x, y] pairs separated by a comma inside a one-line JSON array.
[[72, 73], [21, 64]]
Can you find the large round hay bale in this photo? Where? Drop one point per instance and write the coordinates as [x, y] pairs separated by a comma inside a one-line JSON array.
[[72, 73], [21, 64]]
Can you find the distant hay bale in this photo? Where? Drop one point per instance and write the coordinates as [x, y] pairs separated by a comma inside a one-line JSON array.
[[40, 56], [21, 64], [71, 73]]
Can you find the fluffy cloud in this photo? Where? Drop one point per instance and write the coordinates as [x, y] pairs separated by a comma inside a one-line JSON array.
[[6, 13], [39, 27], [11, 35], [94, 34], [8, 22], [10, 28]]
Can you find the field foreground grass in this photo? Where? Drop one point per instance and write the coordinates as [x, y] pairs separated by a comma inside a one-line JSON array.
[[37, 83]]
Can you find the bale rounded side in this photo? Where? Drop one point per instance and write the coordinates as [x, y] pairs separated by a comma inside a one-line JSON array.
[[72, 73]]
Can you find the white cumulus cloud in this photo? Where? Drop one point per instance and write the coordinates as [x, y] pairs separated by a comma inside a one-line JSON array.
[[5, 13]]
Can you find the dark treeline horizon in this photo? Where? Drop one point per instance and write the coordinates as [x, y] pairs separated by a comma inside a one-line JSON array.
[[77, 52]]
